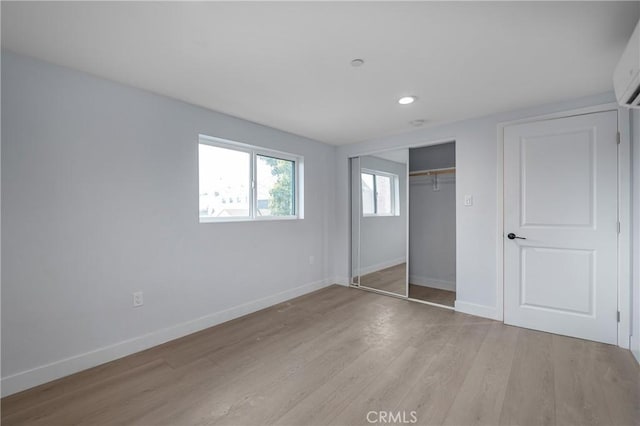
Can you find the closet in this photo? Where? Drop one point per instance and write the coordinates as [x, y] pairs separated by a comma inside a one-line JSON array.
[[432, 224], [403, 223]]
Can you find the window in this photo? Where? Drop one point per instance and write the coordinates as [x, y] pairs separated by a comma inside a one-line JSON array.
[[379, 193], [225, 182], [368, 194], [276, 179], [243, 182]]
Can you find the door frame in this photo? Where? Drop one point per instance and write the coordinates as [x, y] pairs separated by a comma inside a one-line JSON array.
[[624, 211]]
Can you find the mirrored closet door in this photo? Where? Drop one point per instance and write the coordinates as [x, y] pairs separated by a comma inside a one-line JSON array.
[[379, 221]]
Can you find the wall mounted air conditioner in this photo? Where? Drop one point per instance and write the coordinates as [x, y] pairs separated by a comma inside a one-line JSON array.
[[626, 77]]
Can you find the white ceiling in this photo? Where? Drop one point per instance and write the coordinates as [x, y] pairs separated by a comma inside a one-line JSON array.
[[286, 65]]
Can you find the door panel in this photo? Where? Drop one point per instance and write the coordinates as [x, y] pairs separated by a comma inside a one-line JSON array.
[[557, 179], [543, 267], [560, 189]]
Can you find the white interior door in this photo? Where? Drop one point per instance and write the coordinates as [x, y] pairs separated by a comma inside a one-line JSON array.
[[561, 194]]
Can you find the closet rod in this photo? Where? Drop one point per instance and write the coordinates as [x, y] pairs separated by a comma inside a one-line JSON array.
[[433, 172]]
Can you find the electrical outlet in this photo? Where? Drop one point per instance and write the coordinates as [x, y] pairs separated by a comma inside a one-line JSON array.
[[312, 260], [137, 299], [468, 200]]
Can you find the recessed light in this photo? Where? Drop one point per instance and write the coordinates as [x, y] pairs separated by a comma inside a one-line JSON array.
[[357, 62], [406, 100], [417, 123]]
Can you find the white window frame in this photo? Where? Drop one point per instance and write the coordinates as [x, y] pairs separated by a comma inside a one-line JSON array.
[[395, 210], [254, 151]]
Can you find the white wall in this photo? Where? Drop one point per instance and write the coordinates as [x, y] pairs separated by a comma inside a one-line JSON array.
[[100, 199], [383, 239], [635, 229], [476, 175]]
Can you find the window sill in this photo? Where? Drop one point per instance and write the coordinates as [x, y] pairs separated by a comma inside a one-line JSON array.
[[248, 219]]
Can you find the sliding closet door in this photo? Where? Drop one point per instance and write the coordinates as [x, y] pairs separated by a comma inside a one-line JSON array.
[[379, 215], [355, 220]]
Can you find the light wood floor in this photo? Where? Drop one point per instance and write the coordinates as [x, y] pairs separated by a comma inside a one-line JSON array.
[[329, 357], [435, 295], [392, 279]]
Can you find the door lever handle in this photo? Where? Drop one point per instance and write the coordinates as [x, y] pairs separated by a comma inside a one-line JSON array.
[[513, 236]]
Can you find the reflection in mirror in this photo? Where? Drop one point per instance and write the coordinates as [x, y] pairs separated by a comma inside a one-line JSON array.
[[379, 203]]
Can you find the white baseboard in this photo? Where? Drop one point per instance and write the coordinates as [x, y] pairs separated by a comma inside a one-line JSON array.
[[433, 283], [364, 270], [55, 370], [478, 310], [636, 355], [341, 281]]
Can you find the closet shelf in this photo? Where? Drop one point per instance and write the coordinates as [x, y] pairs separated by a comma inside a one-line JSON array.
[[433, 172]]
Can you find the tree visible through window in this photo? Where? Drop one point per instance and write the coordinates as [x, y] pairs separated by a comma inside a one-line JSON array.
[[240, 182], [281, 187]]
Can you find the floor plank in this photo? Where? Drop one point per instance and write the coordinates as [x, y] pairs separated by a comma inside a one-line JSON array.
[[480, 398], [530, 395], [330, 357], [392, 279], [432, 397], [434, 295], [577, 390], [390, 386], [619, 376]]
